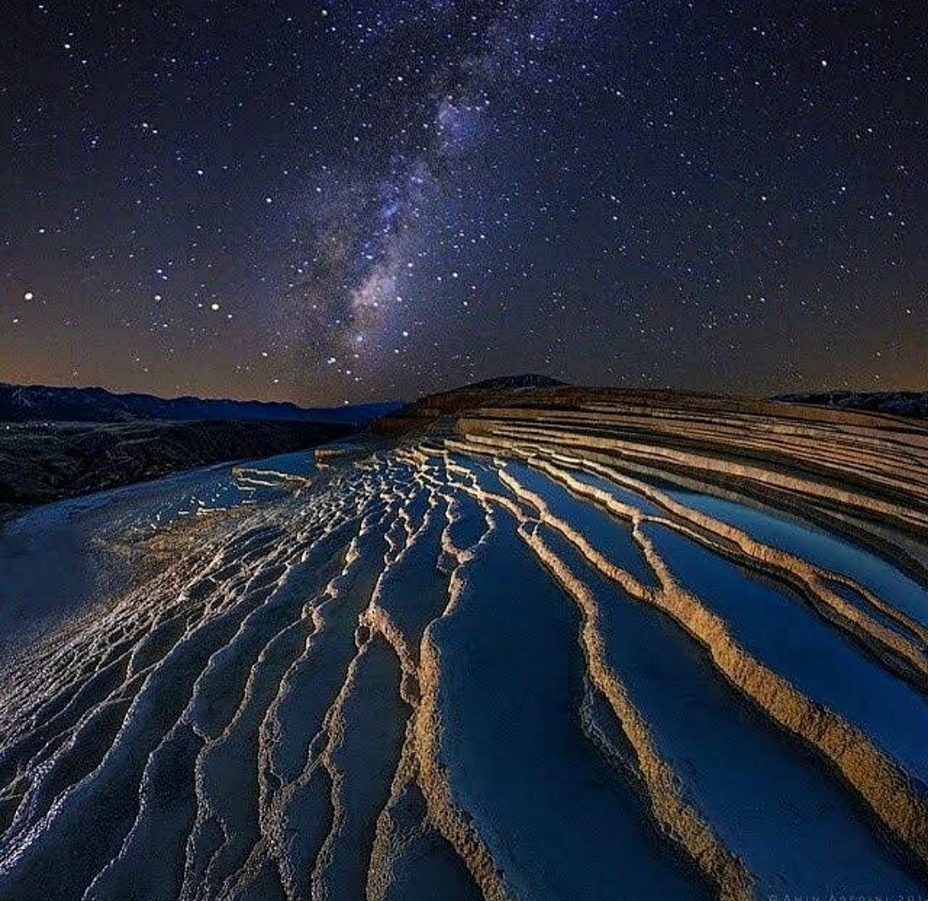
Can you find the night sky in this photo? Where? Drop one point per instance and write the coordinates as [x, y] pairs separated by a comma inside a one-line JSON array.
[[342, 201]]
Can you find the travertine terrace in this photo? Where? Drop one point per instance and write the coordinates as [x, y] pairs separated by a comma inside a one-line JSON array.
[[544, 644]]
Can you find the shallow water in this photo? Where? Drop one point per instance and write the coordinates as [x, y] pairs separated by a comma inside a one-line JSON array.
[[560, 821], [775, 625], [769, 799], [602, 530], [807, 540]]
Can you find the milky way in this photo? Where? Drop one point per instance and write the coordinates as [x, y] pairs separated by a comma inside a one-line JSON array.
[[337, 202]]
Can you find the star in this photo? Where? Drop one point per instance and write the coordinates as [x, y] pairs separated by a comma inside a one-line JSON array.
[[547, 185]]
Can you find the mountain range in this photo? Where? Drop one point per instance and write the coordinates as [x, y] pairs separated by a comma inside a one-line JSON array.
[[913, 404], [39, 403]]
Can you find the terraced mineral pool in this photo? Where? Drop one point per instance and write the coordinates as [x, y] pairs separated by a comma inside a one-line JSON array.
[[776, 626], [816, 545], [770, 800], [392, 681], [619, 492], [598, 527], [558, 820]]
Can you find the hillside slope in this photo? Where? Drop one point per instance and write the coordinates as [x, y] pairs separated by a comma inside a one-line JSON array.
[[41, 463]]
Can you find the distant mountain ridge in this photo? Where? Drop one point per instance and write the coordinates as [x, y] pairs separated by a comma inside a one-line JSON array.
[[512, 382], [896, 403], [39, 403]]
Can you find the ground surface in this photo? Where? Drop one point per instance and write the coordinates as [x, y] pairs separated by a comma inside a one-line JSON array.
[[555, 646]]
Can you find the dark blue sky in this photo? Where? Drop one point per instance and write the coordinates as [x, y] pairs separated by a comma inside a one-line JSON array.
[[343, 201]]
